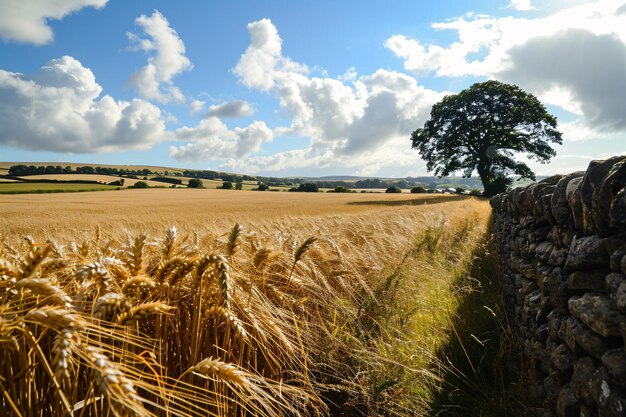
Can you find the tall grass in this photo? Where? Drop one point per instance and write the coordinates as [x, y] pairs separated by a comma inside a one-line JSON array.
[[342, 317]]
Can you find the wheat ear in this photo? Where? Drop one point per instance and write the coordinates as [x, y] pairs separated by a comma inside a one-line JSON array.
[[136, 254], [215, 368], [234, 240], [141, 311], [43, 287], [31, 261], [299, 253]]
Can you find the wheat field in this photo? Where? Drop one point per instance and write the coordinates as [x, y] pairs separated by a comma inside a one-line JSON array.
[[224, 303]]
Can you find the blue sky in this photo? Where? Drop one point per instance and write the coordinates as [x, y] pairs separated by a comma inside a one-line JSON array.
[[295, 87]]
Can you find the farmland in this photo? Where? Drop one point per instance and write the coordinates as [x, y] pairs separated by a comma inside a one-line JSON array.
[[370, 279]]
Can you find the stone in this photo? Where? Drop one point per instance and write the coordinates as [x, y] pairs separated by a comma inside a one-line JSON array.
[[605, 193], [545, 307], [558, 257], [544, 207], [568, 236], [588, 411], [612, 282], [542, 333], [581, 380], [617, 214], [563, 360], [615, 262], [587, 280], [599, 375], [586, 253], [574, 201], [551, 388], [559, 293], [611, 399], [544, 284], [592, 343], [528, 286], [617, 211], [615, 362], [594, 309], [543, 251], [554, 323], [560, 208], [620, 297], [533, 303], [566, 403], [594, 177]]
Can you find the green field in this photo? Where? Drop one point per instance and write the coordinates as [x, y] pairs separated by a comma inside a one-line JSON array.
[[24, 188]]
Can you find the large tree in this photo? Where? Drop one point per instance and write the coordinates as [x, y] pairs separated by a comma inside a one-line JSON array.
[[482, 129]]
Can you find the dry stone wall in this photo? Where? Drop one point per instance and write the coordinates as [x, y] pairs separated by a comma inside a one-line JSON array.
[[562, 247]]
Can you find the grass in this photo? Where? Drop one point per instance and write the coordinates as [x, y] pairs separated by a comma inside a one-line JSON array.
[[479, 357], [313, 306]]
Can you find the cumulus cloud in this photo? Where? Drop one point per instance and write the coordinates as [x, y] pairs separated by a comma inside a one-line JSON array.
[[394, 160], [27, 21], [522, 5], [263, 62], [196, 107], [59, 108], [231, 109], [155, 80], [593, 74], [212, 140], [574, 58], [347, 119]]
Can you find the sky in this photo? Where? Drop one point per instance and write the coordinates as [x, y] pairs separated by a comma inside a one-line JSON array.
[[295, 87]]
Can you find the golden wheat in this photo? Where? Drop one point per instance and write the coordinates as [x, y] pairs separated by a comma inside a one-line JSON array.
[[283, 321]]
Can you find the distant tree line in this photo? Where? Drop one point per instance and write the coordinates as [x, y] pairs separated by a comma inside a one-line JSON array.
[[406, 183], [213, 175], [22, 170]]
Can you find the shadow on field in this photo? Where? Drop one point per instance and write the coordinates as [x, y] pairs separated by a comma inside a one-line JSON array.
[[412, 202], [478, 362]]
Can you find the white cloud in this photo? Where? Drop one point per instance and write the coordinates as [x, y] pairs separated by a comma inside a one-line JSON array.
[[59, 108], [263, 62], [212, 140], [574, 58], [598, 91], [522, 5], [349, 120], [232, 109], [27, 20], [168, 59], [394, 160], [196, 107], [578, 131]]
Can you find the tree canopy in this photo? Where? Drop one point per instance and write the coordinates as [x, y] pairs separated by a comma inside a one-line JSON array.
[[481, 129]]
